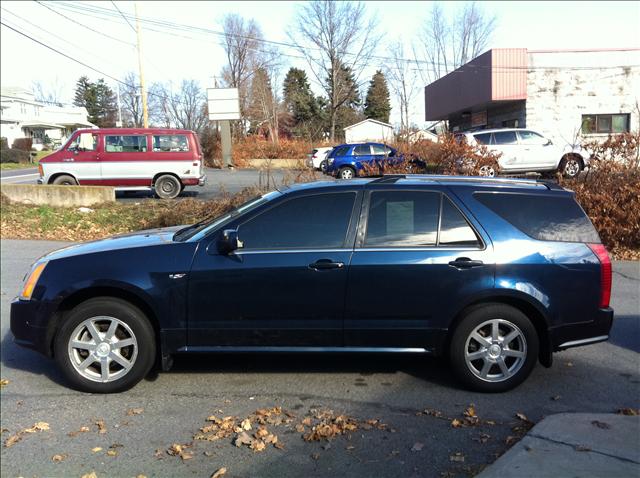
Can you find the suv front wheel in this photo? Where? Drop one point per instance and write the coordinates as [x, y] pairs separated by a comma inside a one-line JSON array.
[[494, 348], [346, 173]]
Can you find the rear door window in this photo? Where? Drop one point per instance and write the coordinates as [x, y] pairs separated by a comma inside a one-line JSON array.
[[546, 218], [170, 143], [505, 137], [362, 150], [484, 138], [125, 144], [454, 228]]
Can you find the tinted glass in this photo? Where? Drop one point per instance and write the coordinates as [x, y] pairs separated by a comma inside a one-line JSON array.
[[170, 142], [454, 228], [504, 137], [604, 124], [340, 151], [362, 150], [529, 137], [125, 144], [484, 138], [402, 219], [316, 222], [619, 123], [546, 218], [378, 149]]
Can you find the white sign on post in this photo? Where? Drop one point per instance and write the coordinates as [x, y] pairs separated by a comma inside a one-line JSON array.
[[224, 104]]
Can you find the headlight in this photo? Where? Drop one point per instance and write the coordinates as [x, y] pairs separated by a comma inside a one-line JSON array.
[[32, 280], [331, 160]]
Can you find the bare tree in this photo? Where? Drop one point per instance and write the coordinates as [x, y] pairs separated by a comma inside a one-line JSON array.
[[263, 109], [246, 52], [335, 37], [446, 44], [183, 108], [403, 82], [51, 94], [131, 101]]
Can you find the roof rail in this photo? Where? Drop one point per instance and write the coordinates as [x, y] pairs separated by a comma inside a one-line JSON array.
[[388, 178], [551, 185]]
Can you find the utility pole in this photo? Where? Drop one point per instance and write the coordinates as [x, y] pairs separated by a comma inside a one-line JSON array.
[[119, 123], [145, 111]]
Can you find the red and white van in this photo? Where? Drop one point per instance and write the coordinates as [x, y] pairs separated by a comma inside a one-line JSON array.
[[164, 160]]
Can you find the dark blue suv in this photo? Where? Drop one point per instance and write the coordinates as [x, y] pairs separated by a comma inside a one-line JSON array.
[[347, 160], [494, 274]]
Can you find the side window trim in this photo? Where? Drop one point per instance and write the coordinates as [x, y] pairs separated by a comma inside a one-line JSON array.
[[364, 217], [347, 245]]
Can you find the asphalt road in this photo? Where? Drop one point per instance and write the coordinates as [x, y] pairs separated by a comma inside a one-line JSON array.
[[599, 378], [218, 182]]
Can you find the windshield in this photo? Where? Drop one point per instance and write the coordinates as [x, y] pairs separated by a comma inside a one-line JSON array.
[[200, 229]]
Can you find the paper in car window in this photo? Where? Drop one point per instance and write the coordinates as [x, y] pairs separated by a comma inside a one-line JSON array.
[[399, 218]]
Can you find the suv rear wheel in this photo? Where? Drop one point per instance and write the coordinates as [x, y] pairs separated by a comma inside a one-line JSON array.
[[346, 173], [571, 166], [105, 345], [494, 348]]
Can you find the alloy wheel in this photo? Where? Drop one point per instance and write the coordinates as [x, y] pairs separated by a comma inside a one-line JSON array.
[[487, 171], [495, 350], [102, 349]]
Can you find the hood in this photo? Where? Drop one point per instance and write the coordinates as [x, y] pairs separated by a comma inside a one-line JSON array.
[[151, 237]]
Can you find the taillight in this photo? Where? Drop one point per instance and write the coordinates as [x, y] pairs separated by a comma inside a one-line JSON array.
[[605, 273]]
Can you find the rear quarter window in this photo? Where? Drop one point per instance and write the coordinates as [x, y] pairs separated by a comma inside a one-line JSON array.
[[546, 218]]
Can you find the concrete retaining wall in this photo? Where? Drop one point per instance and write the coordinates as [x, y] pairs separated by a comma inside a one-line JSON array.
[[276, 163], [58, 195]]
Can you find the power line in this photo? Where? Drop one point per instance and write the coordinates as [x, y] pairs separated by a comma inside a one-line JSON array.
[[122, 14]]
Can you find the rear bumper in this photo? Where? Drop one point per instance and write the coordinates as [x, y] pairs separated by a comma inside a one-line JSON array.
[[201, 181], [583, 333]]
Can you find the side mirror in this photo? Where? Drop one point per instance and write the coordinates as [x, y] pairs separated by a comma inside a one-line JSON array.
[[548, 143], [229, 242]]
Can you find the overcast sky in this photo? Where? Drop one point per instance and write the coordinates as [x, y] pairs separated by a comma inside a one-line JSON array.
[[192, 55]]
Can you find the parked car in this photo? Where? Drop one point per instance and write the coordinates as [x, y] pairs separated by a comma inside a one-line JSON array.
[[347, 160], [318, 158], [495, 274], [162, 160], [524, 150]]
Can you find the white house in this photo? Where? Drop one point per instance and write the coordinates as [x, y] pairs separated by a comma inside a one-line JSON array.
[[21, 116], [369, 130]]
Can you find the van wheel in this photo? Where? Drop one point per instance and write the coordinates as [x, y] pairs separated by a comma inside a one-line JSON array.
[[105, 345], [167, 186], [64, 180], [346, 173], [494, 348]]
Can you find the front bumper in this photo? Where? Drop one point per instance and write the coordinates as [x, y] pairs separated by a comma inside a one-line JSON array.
[[40, 181], [583, 333], [202, 180], [24, 314]]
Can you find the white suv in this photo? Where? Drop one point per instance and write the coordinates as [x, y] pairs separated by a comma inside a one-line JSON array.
[[524, 150], [318, 158]]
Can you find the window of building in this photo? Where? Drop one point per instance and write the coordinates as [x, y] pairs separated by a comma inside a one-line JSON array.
[[170, 142], [125, 144], [605, 124], [512, 123], [23, 108], [310, 222]]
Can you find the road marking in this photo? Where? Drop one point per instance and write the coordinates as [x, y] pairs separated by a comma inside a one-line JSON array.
[[19, 176]]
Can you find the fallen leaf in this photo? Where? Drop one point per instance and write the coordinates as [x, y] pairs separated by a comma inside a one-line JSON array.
[[470, 412], [458, 457], [599, 424], [141, 476], [12, 440], [219, 473], [315, 456], [208, 453], [4, 382], [261, 433], [628, 411], [300, 428], [38, 427], [243, 439], [417, 446], [279, 445], [511, 439], [523, 417], [96, 449], [455, 423], [82, 430], [258, 445], [245, 425], [59, 458], [159, 453], [134, 411], [180, 450], [90, 475], [116, 445], [102, 428], [112, 453]]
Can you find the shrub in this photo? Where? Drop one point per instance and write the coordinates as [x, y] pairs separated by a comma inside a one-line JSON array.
[[13, 156], [610, 191], [23, 144], [4, 144]]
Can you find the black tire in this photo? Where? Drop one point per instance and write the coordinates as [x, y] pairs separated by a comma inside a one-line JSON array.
[[323, 166], [124, 312], [346, 172], [64, 180], [167, 186], [461, 340]]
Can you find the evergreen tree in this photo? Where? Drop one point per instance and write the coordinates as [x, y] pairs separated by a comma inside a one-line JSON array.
[[98, 99], [306, 111], [377, 103], [83, 85]]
